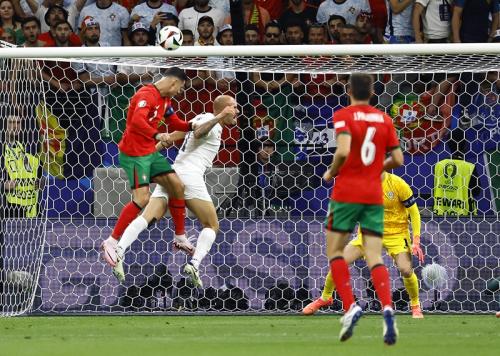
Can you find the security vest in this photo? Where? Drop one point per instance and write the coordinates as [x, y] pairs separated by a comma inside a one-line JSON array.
[[22, 168], [451, 188]]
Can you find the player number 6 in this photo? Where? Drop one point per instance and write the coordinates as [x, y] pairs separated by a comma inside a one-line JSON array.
[[368, 147]]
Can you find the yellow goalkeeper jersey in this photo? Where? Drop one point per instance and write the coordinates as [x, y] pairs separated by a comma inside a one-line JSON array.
[[397, 197]]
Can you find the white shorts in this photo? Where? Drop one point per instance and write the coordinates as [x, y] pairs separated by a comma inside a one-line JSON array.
[[195, 187]]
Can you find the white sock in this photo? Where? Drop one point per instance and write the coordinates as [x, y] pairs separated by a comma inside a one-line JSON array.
[[203, 245], [180, 238], [132, 232]]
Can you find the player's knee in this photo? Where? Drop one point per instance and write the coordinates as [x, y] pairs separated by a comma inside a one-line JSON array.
[[406, 271], [142, 199], [211, 224]]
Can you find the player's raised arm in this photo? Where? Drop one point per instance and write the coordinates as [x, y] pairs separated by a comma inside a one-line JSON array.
[[225, 111]]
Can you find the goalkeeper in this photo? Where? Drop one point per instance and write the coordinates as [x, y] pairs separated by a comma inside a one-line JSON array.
[[149, 111], [196, 155], [399, 202]]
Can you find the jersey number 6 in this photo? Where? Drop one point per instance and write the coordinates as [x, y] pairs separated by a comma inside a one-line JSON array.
[[368, 148]]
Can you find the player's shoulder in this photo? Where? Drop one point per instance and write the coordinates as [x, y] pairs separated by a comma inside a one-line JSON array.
[[398, 181], [200, 118]]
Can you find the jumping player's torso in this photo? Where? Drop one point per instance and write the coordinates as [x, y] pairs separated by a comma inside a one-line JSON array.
[[372, 135], [198, 154], [146, 111]]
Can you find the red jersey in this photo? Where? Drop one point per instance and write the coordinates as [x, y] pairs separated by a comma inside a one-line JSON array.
[[145, 117], [74, 40], [372, 135]]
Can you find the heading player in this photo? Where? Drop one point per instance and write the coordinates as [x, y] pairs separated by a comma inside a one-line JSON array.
[[196, 155], [150, 111], [399, 203], [364, 136]]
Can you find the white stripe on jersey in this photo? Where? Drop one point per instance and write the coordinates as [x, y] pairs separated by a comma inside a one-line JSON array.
[[199, 153]]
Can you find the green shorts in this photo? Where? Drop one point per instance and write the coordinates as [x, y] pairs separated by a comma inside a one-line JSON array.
[[344, 217], [142, 169]]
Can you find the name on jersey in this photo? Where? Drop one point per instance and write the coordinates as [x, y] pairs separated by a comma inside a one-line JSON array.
[[368, 117]]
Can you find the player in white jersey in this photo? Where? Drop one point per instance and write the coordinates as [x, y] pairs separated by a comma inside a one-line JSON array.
[[196, 154]]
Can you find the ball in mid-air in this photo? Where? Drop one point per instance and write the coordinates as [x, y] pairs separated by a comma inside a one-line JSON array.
[[170, 38], [434, 276]]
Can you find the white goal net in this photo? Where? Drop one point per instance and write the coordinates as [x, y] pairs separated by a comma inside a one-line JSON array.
[[61, 188]]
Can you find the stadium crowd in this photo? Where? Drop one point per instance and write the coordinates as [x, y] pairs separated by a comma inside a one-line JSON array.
[[278, 110]]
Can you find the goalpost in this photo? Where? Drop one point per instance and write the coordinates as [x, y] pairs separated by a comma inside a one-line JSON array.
[[63, 112]]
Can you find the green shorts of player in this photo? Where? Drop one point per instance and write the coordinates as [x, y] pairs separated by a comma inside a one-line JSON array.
[[141, 170], [343, 217]]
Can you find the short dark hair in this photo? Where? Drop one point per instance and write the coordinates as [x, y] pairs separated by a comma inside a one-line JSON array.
[[187, 33], [31, 19], [176, 72], [349, 27], [336, 17], [361, 86], [272, 24], [251, 27], [60, 22], [294, 24]]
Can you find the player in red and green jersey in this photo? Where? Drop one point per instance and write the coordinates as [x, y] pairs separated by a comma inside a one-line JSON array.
[[364, 136], [149, 113]]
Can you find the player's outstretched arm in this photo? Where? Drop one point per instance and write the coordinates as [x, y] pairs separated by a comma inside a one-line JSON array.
[[172, 137], [395, 159], [415, 227]]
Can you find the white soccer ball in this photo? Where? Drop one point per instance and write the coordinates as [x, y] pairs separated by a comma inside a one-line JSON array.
[[170, 38], [434, 276]]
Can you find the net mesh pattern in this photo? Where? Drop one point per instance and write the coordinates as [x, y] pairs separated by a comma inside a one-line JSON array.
[[63, 120]]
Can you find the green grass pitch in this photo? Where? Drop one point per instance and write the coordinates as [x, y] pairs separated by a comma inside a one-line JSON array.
[[436, 335]]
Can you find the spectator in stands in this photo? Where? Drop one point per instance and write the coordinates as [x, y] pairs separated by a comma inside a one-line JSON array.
[[188, 38], [8, 36], [225, 36], [335, 22], [151, 12], [317, 34], [40, 10], [113, 18], [470, 21], [348, 9], [255, 14], [189, 18], [294, 34], [262, 172], [399, 27], [299, 12], [9, 20], [139, 34], [54, 15], [222, 5], [272, 34], [31, 30], [252, 36], [364, 26], [205, 31], [435, 16], [160, 21], [349, 34], [379, 19], [62, 34]]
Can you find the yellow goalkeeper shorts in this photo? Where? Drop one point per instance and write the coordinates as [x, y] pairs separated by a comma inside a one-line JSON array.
[[394, 244]]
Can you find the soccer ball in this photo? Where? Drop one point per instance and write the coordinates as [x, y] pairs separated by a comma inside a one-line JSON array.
[[170, 38], [434, 276]]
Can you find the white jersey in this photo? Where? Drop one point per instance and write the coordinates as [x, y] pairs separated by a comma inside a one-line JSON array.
[[399, 24], [112, 20], [437, 24], [349, 10], [198, 154], [147, 12], [188, 19]]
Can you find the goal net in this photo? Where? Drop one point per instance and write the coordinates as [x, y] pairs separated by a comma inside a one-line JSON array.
[[63, 114]]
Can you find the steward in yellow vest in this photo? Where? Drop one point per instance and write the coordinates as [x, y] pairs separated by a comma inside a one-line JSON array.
[[452, 193]]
